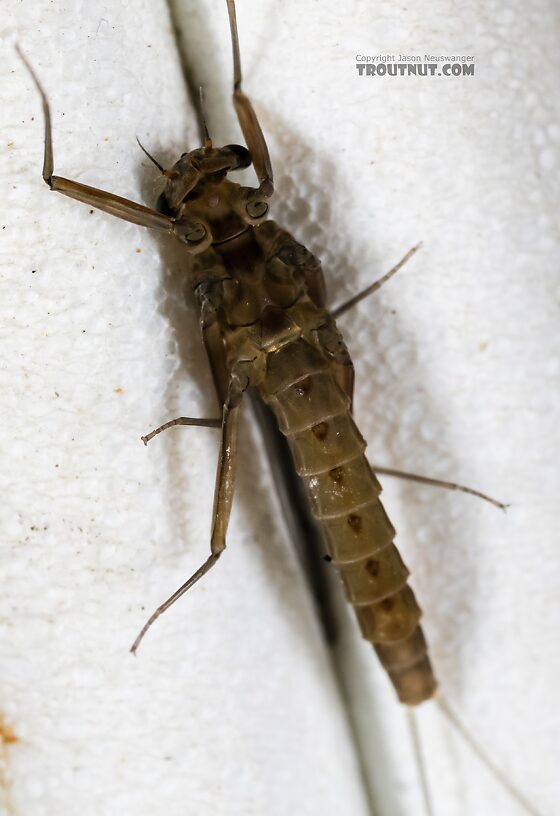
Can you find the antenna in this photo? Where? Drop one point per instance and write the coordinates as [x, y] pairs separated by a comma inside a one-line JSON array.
[[151, 158], [207, 139]]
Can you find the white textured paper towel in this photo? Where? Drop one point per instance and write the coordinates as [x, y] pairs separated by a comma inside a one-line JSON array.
[[232, 706]]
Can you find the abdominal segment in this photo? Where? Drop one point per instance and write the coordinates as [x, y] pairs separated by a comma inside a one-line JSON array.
[[328, 451]]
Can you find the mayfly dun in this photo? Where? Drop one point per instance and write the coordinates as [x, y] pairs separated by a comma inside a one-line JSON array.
[[267, 329]]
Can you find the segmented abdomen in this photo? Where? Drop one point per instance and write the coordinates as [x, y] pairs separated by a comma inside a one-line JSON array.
[[328, 450]]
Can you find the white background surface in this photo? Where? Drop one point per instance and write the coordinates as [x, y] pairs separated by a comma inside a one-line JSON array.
[[232, 706]]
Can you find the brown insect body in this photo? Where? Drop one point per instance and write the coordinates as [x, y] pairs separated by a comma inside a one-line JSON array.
[[266, 294]]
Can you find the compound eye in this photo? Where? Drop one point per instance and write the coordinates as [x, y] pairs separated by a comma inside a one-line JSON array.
[[256, 209], [242, 154]]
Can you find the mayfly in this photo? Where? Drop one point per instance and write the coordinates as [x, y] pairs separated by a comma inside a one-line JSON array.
[[266, 327]]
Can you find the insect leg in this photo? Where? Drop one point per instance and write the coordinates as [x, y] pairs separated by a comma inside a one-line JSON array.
[[248, 118], [223, 497], [214, 346], [414, 477], [102, 200], [203, 423], [373, 287]]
